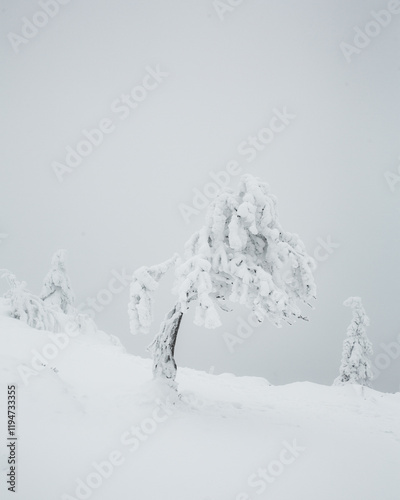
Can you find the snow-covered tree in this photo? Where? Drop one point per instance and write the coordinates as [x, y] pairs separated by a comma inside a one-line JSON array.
[[241, 254], [56, 289], [357, 349], [26, 306]]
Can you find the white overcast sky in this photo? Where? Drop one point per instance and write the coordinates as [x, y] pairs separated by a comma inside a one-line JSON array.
[[119, 208]]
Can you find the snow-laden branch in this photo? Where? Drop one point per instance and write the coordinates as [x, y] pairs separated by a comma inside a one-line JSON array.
[[145, 281]]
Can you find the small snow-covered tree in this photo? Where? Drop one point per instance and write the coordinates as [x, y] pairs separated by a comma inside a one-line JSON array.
[[357, 349], [56, 290], [27, 307], [241, 254]]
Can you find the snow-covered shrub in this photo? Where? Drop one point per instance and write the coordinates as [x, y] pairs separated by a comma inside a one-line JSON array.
[[56, 289], [241, 254], [26, 306], [357, 349]]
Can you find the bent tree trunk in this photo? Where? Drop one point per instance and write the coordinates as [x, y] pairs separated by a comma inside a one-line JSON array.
[[163, 346]]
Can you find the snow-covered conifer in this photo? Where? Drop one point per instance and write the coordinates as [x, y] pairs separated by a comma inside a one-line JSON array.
[[56, 289], [241, 254], [357, 349]]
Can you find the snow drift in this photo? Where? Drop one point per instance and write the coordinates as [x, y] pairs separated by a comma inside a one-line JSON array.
[[91, 423]]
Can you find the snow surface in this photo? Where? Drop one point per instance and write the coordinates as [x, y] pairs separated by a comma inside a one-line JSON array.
[[213, 438]]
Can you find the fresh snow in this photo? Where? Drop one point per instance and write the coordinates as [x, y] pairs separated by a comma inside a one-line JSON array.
[[212, 441]]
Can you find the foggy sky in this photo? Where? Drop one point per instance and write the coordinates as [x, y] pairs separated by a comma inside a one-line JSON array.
[[222, 81]]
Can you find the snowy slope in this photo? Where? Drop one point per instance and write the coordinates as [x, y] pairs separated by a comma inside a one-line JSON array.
[[226, 438]]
